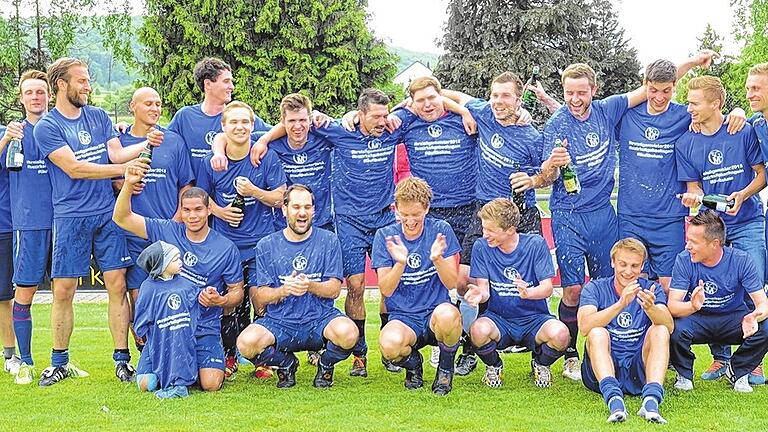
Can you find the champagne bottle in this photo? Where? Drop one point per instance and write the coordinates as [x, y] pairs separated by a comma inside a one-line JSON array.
[[529, 98], [14, 156], [518, 197], [147, 152], [238, 202], [568, 173], [717, 202]]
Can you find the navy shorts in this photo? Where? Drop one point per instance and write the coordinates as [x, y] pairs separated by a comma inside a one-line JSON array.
[[581, 236], [664, 237], [630, 374], [530, 223], [293, 337], [210, 352], [420, 325], [356, 237], [6, 266], [75, 238], [518, 331], [31, 256], [135, 275]]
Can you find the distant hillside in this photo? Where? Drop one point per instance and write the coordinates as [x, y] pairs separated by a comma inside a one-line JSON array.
[[407, 57]]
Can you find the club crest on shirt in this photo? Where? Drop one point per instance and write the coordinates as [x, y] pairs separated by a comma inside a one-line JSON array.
[[593, 139], [209, 137], [511, 273], [497, 141], [715, 157], [299, 263], [624, 320], [174, 302], [651, 133], [710, 287], [374, 144], [300, 158], [84, 137], [414, 260], [189, 259], [435, 130]]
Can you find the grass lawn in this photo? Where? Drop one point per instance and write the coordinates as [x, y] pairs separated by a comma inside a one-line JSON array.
[[379, 402]]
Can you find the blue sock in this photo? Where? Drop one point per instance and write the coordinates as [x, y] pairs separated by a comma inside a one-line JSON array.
[[22, 325], [333, 354], [273, 357], [447, 356], [59, 357], [612, 394], [653, 394], [488, 354], [545, 355], [411, 361], [121, 356]]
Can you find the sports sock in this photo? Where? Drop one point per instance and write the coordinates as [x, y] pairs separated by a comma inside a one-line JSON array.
[[361, 348], [411, 361], [447, 356], [229, 334], [612, 394], [333, 354], [653, 395], [121, 356], [488, 354], [545, 355], [22, 325], [273, 357], [59, 357], [9, 352], [384, 319], [466, 344], [567, 315]]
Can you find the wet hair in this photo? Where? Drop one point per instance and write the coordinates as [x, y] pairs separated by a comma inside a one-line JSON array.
[[630, 244], [297, 187], [714, 227], [371, 96], [502, 211], [507, 77], [209, 68], [195, 192], [580, 70], [413, 189], [295, 102], [661, 71], [59, 70]]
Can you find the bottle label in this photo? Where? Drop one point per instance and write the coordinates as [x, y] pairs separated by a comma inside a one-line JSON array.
[[570, 185], [721, 206], [18, 159]]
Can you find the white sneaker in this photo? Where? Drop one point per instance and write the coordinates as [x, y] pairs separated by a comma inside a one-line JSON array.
[[572, 369], [542, 376], [683, 383], [493, 376], [75, 371], [742, 385], [434, 359], [26, 374], [12, 364], [651, 416], [617, 417]]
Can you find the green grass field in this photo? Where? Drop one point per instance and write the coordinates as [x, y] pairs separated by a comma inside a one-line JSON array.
[[376, 403]]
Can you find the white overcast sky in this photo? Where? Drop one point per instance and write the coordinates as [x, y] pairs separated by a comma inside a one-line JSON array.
[[657, 28]]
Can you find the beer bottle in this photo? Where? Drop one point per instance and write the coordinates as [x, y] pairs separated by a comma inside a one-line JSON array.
[[517, 197], [529, 97], [717, 202], [147, 152], [568, 173], [238, 202], [14, 157]]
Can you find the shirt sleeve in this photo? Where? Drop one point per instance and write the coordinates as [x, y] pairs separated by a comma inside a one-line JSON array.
[[175, 124], [263, 276], [233, 270], [543, 259], [155, 228], [333, 264], [754, 154], [183, 164], [407, 118], [452, 243], [381, 257], [48, 138], [681, 274], [479, 267], [275, 176], [204, 176], [686, 171], [614, 107], [748, 276]]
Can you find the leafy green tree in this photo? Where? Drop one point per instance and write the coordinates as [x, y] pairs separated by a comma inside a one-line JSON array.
[[321, 48], [751, 31]]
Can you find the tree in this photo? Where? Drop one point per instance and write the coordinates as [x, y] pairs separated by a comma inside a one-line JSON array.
[[751, 31], [321, 48], [486, 37]]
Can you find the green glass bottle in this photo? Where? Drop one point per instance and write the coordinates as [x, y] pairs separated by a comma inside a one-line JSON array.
[[529, 97], [568, 173]]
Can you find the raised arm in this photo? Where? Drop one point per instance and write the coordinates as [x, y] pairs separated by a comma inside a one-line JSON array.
[[123, 215]]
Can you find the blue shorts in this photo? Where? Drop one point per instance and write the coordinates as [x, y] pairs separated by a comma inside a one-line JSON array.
[[290, 337], [6, 266], [518, 331], [31, 256], [210, 352], [583, 236], [356, 237], [420, 325], [630, 374], [75, 238], [664, 237], [135, 275]]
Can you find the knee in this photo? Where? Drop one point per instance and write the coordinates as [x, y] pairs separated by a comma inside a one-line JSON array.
[[598, 336], [345, 334], [480, 332], [211, 382], [391, 344], [115, 281], [560, 337], [659, 333], [249, 343], [571, 295], [447, 317], [63, 293], [355, 286]]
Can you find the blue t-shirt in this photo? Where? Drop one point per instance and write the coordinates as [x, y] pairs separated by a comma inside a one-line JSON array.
[[363, 178], [167, 313], [591, 144], [257, 221], [627, 329], [530, 261], [760, 127], [503, 150], [310, 166], [198, 130], [31, 181], [87, 136], [725, 285], [318, 257], [722, 163], [213, 262], [169, 172], [441, 153], [647, 170], [6, 224], [420, 289]]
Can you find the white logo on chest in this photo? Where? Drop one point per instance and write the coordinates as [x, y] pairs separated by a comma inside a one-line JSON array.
[[715, 157], [189, 259], [624, 320], [174, 302]]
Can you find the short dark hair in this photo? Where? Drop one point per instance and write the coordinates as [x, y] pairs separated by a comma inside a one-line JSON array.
[[509, 77], [714, 227], [195, 192], [371, 96], [661, 71], [209, 68], [294, 187]]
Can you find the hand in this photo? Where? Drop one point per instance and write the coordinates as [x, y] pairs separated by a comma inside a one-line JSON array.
[[647, 298], [473, 296], [122, 127], [244, 186], [522, 288], [695, 127], [320, 120], [155, 137], [14, 130], [705, 57], [117, 184], [258, 151], [293, 286], [470, 125], [538, 90], [691, 200], [393, 122], [209, 297], [560, 156], [135, 170], [138, 188], [697, 297], [735, 120], [629, 293], [524, 118], [748, 325], [520, 182], [350, 120], [397, 249], [230, 215], [438, 247], [738, 199], [219, 162]]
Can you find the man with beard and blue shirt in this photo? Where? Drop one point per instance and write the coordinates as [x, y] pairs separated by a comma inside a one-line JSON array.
[[513, 274], [627, 325], [714, 162], [417, 263], [261, 187], [79, 141], [298, 275], [209, 259], [708, 297], [32, 219]]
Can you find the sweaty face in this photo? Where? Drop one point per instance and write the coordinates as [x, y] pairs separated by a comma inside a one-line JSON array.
[[412, 215], [700, 108], [757, 93], [428, 104], [627, 266], [494, 235], [504, 101], [659, 96], [578, 94], [237, 126], [220, 90], [375, 119], [299, 212], [699, 246], [296, 125], [194, 214], [34, 96], [147, 107], [79, 86]]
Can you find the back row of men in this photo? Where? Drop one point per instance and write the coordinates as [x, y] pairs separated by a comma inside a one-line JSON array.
[[67, 154]]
